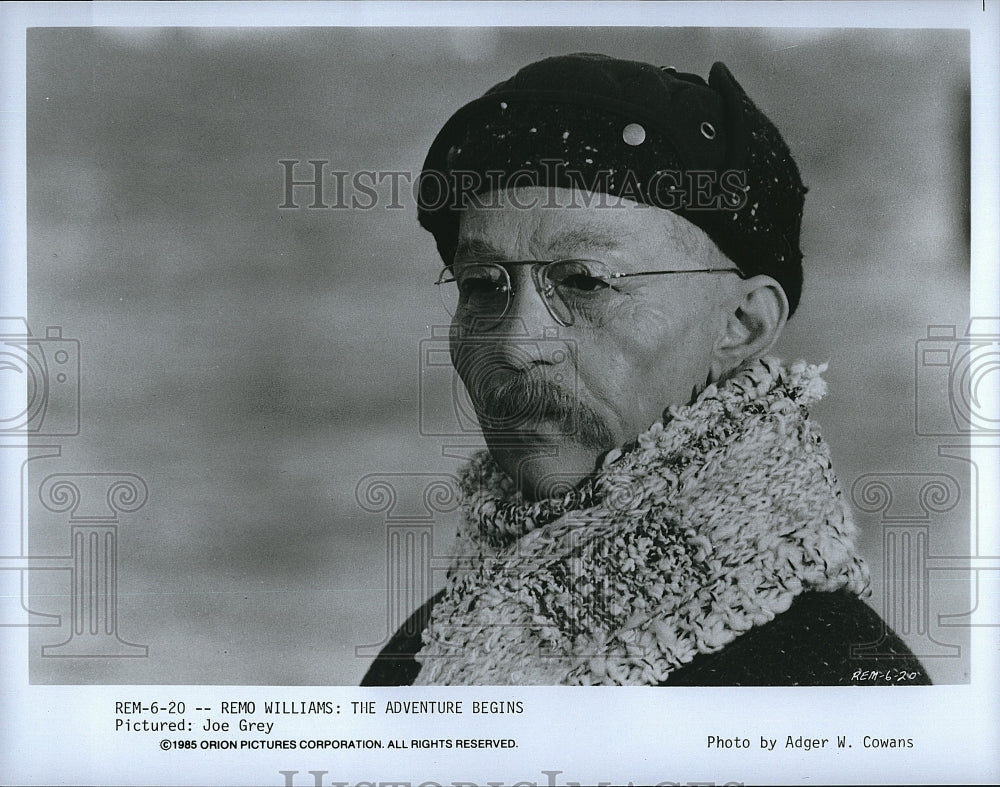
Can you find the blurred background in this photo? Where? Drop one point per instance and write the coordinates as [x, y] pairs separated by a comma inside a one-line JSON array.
[[254, 365]]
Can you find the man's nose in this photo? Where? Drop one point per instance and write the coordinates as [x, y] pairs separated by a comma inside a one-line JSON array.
[[528, 336]]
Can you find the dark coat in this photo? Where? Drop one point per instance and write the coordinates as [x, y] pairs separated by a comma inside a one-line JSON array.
[[808, 645]]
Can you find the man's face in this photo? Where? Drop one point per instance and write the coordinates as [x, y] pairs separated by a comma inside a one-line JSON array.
[[552, 399]]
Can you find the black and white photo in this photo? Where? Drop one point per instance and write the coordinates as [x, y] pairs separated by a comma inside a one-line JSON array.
[[393, 375]]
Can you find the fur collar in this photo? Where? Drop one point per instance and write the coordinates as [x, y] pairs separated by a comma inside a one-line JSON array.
[[709, 524]]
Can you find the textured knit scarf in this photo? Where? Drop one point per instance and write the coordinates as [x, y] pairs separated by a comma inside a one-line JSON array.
[[709, 524]]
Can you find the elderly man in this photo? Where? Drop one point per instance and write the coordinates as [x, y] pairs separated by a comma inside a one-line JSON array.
[[621, 244]]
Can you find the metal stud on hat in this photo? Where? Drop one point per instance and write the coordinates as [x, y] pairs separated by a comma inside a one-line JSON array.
[[634, 134]]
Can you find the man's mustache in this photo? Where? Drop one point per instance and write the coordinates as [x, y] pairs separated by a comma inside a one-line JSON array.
[[517, 400]]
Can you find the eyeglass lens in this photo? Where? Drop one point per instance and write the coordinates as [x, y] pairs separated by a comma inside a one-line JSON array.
[[481, 292]]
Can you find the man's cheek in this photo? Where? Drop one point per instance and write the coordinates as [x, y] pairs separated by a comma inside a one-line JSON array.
[[622, 311], [470, 360]]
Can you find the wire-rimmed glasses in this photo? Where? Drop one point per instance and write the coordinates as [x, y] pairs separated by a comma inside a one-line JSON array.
[[478, 294]]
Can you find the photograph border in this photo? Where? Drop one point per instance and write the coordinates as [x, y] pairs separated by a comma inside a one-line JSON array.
[[66, 734]]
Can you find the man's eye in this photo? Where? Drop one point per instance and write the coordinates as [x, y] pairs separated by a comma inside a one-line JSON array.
[[582, 283]]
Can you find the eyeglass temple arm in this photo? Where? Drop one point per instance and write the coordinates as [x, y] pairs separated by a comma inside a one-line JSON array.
[[737, 271]]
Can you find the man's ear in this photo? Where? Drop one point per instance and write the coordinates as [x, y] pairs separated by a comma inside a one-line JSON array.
[[754, 319]]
